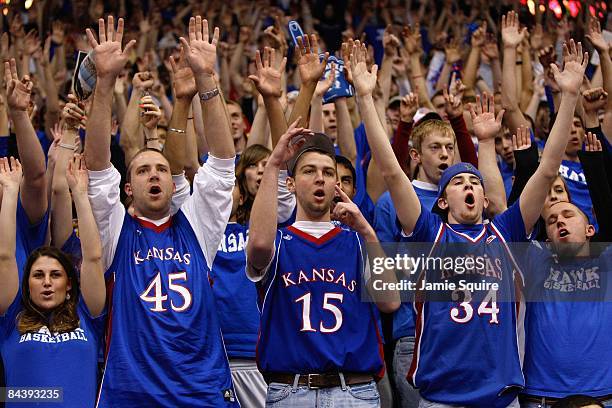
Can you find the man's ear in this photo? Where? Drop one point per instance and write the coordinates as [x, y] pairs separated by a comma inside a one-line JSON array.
[[415, 156], [291, 184], [128, 189], [485, 203], [442, 203], [590, 231]]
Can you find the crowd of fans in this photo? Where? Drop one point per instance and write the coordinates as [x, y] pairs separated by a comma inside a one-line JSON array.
[[397, 93]]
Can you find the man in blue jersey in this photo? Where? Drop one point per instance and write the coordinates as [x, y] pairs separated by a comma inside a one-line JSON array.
[[567, 342], [319, 342], [465, 357], [164, 345]]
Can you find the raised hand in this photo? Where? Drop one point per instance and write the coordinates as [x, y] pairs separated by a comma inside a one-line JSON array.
[[268, 78], [200, 50], [390, 42], [149, 112], [452, 51], [522, 139], [73, 114], [347, 49], [592, 143], [479, 36], [349, 214], [575, 63], [17, 91], [594, 99], [452, 105], [108, 56], [31, 43], [143, 81], [77, 175], [511, 35], [364, 80], [10, 174], [486, 125], [324, 84], [456, 87], [289, 143], [537, 37], [412, 39], [309, 66], [596, 37], [408, 107], [490, 48], [183, 80], [57, 32]]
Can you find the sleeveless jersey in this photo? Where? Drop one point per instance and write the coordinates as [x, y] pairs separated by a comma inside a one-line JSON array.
[[313, 317], [466, 348]]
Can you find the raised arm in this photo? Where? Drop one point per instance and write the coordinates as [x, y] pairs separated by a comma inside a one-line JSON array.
[[511, 37], [149, 117], [569, 80], [61, 202], [109, 60], [34, 182], [10, 178], [311, 70], [486, 127], [268, 81], [185, 89], [262, 227], [403, 195], [316, 105], [473, 60], [202, 55], [92, 283], [605, 62]]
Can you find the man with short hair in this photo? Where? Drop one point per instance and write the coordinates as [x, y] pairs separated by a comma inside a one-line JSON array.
[[164, 344], [319, 342], [568, 288], [237, 126]]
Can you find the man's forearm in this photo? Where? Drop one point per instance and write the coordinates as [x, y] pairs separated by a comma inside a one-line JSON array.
[[215, 120], [493, 182], [174, 149], [97, 146], [302, 104], [276, 117], [30, 151]]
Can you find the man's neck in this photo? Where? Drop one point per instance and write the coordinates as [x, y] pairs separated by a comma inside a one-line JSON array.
[[423, 177], [156, 218], [572, 158], [302, 215]]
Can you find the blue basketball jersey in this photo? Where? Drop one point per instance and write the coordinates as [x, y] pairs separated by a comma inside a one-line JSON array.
[[567, 339], [466, 348], [235, 294], [313, 318], [164, 344]]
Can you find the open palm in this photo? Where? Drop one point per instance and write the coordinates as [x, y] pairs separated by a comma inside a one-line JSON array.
[[486, 126], [18, 92], [200, 52], [310, 66], [107, 54], [268, 79], [575, 62], [364, 80], [183, 80]]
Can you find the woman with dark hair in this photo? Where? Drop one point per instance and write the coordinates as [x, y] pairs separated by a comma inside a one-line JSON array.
[[50, 330], [235, 294]]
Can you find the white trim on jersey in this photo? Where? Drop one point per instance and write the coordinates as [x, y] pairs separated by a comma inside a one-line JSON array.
[[421, 314], [466, 236], [270, 282]]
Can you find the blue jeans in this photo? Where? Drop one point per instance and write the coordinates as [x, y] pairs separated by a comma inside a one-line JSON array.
[[352, 396], [402, 358], [545, 404]]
